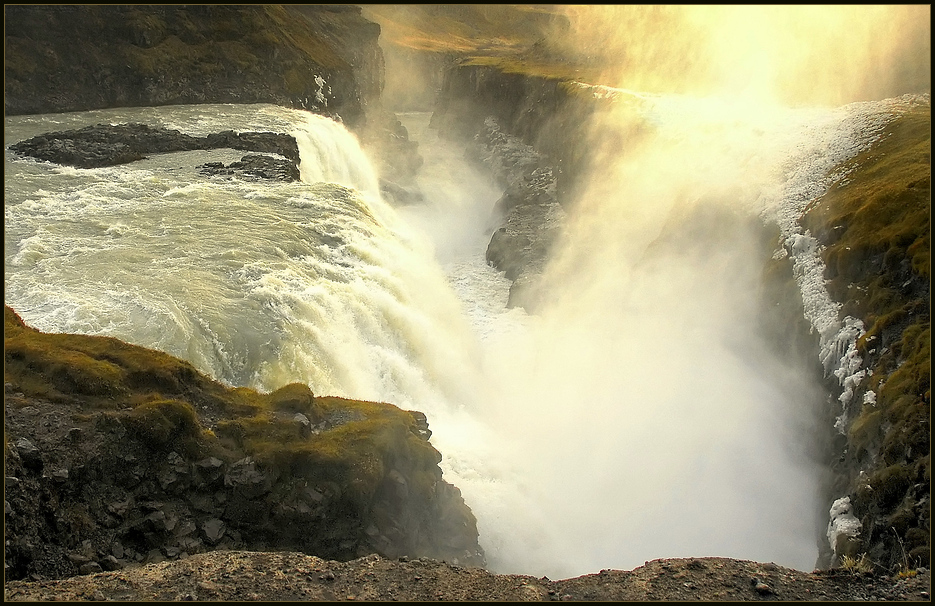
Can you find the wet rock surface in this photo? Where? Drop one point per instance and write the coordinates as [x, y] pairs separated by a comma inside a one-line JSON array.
[[530, 214], [254, 167]]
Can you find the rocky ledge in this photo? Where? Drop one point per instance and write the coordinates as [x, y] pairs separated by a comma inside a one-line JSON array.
[[530, 214], [254, 167], [117, 456]]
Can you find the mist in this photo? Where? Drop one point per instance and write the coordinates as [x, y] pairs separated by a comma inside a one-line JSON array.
[[644, 412], [803, 55]]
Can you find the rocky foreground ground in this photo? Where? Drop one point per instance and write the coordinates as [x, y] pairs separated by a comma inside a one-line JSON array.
[[287, 576]]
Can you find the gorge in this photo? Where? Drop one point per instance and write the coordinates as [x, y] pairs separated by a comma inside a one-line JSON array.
[[656, 365]]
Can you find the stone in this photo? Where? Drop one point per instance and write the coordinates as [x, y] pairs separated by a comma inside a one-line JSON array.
[[156, 522], [110, 145], [90, 568], [213, 530], [28, 453]]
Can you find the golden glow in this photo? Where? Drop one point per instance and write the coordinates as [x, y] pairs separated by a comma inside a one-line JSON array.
[[802, 54]]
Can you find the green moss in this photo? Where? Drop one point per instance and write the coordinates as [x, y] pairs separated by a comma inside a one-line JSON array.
[[542, 68], [296, 398], [865, 430], [875, 223], [162, 422], [296, 80], [365, 442], [103, 372], [883, 204], [889, 485]]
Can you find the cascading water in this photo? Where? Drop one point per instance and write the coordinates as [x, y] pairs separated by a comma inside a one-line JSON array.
[[256, 283], [634, 418]]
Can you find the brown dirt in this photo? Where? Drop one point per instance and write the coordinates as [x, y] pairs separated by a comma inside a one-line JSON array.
[[286, 576]]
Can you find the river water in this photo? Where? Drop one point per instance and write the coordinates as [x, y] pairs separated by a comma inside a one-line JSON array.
[[634, 418]]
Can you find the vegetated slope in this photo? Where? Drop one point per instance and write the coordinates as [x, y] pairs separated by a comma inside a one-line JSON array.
[[117, 455], [420, 41], [875, 224]]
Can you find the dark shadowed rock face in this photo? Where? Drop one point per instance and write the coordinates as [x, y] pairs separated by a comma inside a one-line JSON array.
[[62, 58], [322, 58], [254, 167], [110, 145]]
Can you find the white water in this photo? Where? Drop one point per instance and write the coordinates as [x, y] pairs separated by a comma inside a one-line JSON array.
[[631, 420]]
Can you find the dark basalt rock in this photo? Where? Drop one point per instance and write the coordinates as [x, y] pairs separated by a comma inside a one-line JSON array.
[[529, 210], [110, 145], [60, 58], [254, 167]]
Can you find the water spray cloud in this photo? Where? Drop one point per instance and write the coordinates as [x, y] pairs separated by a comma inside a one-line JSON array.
[[800, 54]]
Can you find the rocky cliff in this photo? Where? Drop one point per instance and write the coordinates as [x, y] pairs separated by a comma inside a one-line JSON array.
[[118, 455], [875, 228], [69, 58], [115, 454]]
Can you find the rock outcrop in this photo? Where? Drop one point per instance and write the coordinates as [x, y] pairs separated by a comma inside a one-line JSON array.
[[533, 133], [111, 145], [874, 226], [529, 211], [116, 455]]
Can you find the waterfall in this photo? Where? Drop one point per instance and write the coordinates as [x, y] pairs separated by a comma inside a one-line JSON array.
[[638, 416], [255, 283]]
